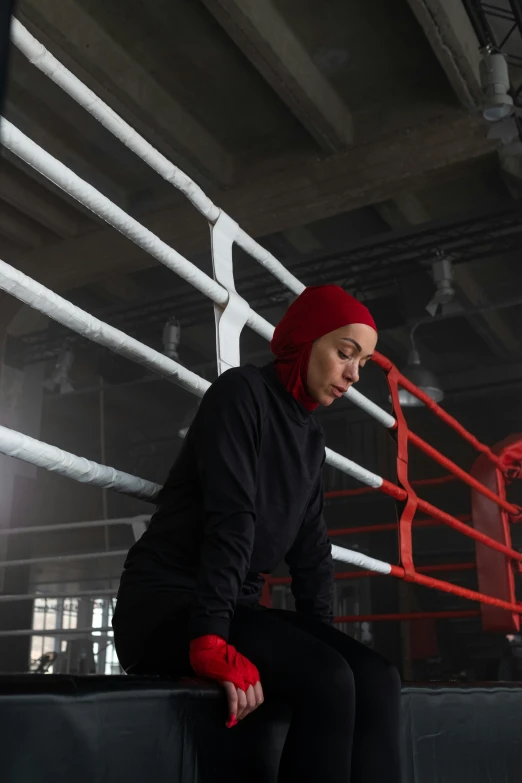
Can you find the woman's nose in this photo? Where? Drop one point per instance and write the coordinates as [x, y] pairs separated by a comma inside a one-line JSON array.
[[351, 373]]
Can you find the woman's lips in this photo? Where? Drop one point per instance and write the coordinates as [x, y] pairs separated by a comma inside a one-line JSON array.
[[337, 391]]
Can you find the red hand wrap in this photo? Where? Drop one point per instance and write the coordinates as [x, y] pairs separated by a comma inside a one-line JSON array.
[[212, 657]]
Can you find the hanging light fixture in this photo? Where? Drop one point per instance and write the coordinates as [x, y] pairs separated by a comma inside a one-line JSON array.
[[171, 338], [59, 379], [421, 376], [444, 295], [494, 77]]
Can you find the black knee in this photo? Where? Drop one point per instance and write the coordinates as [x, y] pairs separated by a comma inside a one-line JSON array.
[[390, 679], [335, 677], [378, 686]]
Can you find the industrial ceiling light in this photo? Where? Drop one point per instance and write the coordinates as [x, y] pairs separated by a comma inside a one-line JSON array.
[[442, 272], [494, 78], [59, 378], [171, 338], [423, 378]]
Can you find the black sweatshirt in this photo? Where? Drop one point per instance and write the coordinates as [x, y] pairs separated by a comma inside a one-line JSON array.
[[244, 493]]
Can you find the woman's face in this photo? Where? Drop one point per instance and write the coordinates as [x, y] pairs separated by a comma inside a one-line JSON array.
[[336, 360]]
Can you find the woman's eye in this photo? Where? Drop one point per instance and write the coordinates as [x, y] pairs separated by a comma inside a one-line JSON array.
[[343, 355]]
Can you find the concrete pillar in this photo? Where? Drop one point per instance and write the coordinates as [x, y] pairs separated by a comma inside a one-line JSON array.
[[21, 394]]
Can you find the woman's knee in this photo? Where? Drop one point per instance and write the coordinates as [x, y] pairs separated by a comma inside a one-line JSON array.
[[389, 678], [379, 680], [335, 676]]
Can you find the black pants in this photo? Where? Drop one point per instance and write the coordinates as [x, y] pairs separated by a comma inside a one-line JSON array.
[[344, 698]]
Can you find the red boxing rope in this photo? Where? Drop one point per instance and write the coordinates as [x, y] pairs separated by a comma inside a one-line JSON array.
[[461, 474], [505, 464], [495, 573], [371, 618], [436, 567], [409, 495], [387, 365], [340, 493], [389, 526]]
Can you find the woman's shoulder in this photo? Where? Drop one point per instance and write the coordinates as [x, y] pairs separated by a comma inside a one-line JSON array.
[[243, 383]]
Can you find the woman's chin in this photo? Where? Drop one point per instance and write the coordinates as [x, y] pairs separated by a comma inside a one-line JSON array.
[[323, 398], [326, 400]]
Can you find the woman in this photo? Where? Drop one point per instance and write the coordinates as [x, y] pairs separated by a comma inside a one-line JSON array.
[[245, 492]]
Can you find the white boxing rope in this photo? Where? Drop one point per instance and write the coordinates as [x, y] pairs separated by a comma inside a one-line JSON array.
[[59, 309], [42, 59], [338, 553], [371, 408], [353, 469], [270, 262], [40, 298], [14, 444], [55, 171], [47, 302], [360, 560], [23, 447]]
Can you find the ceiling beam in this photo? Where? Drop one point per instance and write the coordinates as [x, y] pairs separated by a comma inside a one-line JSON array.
[[86, 218], [119, 288], [454, 42], [483, 380], [84, 46], [266, 39], [21, 230], [303, 240], [30, 114], [491, 325], [23, 193], [309, 190]]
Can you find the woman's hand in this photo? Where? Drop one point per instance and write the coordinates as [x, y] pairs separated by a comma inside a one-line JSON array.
[[212, 657], [241, 704]]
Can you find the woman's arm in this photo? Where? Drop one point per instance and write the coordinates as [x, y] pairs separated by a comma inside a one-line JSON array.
[[310, 561], [225, 435]]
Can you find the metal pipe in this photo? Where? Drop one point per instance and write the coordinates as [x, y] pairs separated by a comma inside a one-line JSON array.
[[63, 558], [64, 633], [73, 525], [516, 7], [479, 21], [46, 342], [103, 460], [69, 594], [372, 618]]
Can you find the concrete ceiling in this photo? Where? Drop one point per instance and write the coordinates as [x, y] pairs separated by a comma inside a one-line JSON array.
[[318, 127]]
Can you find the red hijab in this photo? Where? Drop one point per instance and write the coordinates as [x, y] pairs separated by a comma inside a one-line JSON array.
[[316, 312]]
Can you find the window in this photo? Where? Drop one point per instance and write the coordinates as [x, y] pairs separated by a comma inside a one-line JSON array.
[[61, 652], [50, 614]]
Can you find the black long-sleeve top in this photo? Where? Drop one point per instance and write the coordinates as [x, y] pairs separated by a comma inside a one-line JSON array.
[[244, 493]]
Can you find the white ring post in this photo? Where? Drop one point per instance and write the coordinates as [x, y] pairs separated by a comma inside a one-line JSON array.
[[231, 320]]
